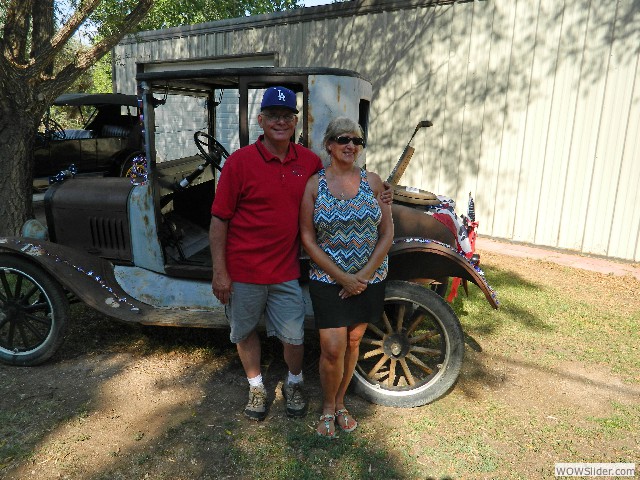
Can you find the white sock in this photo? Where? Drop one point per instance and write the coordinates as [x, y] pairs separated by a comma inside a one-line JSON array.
[[255, 381], [294, 378]]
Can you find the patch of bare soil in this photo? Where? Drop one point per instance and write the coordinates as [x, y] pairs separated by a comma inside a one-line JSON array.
[[151, 405], [131, 414]]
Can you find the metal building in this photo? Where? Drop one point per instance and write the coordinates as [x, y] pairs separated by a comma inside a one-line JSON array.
[[535, 103]]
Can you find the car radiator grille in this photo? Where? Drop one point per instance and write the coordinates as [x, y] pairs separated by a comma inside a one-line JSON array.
[[110, 236]]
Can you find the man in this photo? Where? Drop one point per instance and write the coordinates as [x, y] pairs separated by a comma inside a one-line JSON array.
[[255, 247]]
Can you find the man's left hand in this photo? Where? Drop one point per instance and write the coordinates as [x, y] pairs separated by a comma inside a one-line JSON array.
[[387, 194]]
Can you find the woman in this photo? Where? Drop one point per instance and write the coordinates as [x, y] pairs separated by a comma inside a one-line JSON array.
[[347, 231]]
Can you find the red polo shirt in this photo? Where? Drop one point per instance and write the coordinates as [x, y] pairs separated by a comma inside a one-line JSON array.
[[260, 197]]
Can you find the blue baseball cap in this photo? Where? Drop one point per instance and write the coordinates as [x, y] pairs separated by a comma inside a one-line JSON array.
[[279, 97]]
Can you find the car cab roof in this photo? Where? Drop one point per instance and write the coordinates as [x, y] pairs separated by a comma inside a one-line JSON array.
[[204, 80], [96, 99]]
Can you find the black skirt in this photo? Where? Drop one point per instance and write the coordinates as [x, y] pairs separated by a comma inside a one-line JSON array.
[[331, 311]]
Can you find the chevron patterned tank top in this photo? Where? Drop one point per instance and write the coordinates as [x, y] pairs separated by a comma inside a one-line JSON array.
[[347, 230]]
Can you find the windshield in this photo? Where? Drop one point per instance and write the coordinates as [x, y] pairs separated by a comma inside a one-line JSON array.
[[182, 116]]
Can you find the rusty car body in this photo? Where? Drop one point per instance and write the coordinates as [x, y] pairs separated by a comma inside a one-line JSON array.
[[136, 249]]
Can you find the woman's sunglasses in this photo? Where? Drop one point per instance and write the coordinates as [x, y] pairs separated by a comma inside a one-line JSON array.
[[343, 140]]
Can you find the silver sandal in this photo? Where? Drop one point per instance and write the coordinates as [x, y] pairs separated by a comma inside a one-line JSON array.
[[328, 420], [344, 413]]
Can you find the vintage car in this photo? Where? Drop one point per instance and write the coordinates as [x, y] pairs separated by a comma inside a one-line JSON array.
[[136, 248], [105, 145]]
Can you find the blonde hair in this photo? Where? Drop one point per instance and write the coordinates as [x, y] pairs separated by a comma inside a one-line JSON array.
[[339, 126]]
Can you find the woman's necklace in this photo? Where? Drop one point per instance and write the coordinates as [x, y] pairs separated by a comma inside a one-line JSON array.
[[345, 184]]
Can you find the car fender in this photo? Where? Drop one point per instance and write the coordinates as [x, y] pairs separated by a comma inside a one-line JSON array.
[[92, 280], [122, 155], [417, 259]]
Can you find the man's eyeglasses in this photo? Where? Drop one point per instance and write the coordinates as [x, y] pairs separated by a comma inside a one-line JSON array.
[[272, 117], [343, 140]]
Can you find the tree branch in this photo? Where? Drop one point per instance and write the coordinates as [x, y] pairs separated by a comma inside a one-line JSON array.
[[43, 29], [44, 54], [16, 31], [68, 29], [87, 58]]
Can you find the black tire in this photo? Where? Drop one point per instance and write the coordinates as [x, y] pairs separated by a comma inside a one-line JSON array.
[[34, 313], [419, 339]]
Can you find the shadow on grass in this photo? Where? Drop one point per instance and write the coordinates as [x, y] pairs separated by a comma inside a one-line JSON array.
[[91, 333], [202, 439], [490, 371], [212, 439], [516, 295], [478, 317]]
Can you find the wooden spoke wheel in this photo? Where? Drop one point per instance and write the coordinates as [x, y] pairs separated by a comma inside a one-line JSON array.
[[413, 354], [34, 312]]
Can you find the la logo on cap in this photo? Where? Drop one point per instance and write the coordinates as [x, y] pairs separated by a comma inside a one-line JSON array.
[[279, 97]]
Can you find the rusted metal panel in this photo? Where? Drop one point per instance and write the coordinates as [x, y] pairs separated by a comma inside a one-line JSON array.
[[90, 278], [162, 291], [410, 257], [334, 96], [146, 248], [97, 224], [93, 281]]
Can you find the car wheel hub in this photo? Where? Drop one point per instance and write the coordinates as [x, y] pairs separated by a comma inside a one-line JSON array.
[[396, 345], [10, 312]]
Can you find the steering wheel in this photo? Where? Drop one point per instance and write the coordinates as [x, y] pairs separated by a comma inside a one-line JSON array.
[[53, 129], [210, 148]]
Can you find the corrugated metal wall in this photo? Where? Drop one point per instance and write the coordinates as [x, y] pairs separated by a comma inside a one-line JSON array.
[[535, 103]]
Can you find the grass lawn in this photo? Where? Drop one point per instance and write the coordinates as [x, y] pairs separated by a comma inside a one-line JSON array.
[[552, 376]]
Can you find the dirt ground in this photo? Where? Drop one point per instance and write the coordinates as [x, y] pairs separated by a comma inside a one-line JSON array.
[[133, 402]]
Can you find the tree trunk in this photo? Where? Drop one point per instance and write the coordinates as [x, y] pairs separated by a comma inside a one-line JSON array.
[[17, 137]]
